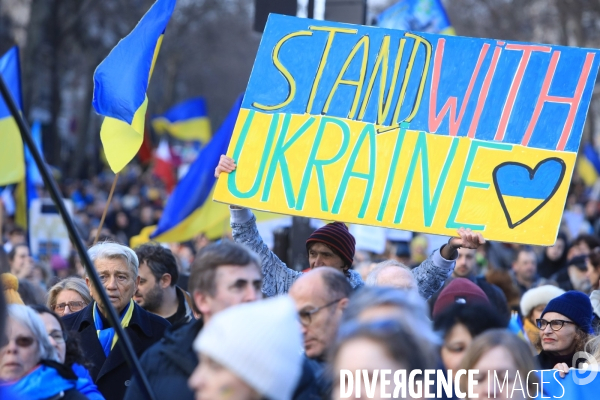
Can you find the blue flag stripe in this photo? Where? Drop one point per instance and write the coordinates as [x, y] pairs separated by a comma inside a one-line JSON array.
[[11, 73]]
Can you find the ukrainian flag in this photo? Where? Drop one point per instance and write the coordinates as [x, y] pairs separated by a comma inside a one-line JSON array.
[[588, 165], [121, 81], [190, 209], [187, 120], [12, 162]]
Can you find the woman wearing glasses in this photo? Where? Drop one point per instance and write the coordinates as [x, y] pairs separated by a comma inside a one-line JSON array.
[[28, 362], [68, 351], [565, 327], [69, 296]]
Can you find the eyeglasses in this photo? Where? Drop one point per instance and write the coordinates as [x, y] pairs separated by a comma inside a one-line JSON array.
[[58, 336], [555, 324], [73, 306], [306, 316]]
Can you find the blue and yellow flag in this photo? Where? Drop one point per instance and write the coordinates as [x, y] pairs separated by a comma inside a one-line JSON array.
[[588, 165], [187, 120], [12, 164], [120, 84], [190, 209], [417, 15]]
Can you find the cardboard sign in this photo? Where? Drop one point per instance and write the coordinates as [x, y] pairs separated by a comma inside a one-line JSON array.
[[410, 130], [47, 232]]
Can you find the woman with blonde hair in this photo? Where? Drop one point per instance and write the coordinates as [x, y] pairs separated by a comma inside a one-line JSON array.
[[68, 296], [501, 357]]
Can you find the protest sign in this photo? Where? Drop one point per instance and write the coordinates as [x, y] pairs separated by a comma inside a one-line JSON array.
[[47, 232], [410, 130]]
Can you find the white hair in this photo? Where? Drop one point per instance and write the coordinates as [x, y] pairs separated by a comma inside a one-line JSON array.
[[112, 250], [374, 274], [414, 309], [29, 318]]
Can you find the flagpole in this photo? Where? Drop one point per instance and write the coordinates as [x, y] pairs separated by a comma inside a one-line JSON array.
[[110, 195], [113, 319]]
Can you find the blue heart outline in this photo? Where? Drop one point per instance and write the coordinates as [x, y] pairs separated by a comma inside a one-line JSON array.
[[532, 172]]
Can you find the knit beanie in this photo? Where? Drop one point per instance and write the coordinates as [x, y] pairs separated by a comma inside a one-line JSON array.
[[538, 296], [337, 236], [10, 284], [459, 291], [260, 342], [574, 305]]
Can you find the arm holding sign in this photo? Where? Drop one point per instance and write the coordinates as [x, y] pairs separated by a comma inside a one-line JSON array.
[[431, 274], [278, 278]]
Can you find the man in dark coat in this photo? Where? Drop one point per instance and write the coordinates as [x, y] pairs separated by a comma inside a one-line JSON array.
[[117, 267], [222, 275]]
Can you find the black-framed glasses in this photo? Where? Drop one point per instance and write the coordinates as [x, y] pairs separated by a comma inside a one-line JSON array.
[[306, 316], [555, 324], [73, 306]]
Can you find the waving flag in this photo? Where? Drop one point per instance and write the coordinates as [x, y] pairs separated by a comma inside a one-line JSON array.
[[121, 81], [12, 164], [190, 209], [187, 120], [588, 165], [416, 15]]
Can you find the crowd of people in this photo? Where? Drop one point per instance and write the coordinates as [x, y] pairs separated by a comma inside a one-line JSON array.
[[229, 320]]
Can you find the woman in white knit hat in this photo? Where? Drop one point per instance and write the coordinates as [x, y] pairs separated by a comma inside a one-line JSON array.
[[533, 303], [250, 351]]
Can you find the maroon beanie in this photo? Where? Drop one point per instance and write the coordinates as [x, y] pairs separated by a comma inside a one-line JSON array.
[[461, 291], [337, 236]]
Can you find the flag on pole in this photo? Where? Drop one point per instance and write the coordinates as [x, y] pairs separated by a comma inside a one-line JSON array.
[[187, 120], [120, 85], [190, 209], [12, 163], [417, 15]]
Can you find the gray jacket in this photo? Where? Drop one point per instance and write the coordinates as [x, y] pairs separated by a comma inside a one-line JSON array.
[[278, 278]]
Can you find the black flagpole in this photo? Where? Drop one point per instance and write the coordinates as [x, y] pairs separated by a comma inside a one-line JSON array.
[[113, 318]]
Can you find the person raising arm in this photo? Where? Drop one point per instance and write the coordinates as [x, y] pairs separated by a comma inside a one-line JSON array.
[[333, 246]]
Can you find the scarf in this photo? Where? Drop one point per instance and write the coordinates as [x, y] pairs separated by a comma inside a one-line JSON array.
[[107, 336], [42, 382]]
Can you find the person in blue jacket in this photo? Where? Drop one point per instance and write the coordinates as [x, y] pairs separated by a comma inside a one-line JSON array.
[[29, 367], [68, 351]]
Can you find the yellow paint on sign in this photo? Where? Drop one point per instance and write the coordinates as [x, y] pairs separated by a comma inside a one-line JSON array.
[[337, 169]]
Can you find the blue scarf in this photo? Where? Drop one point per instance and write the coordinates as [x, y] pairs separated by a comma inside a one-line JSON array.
[[107, 336], [41, 383]]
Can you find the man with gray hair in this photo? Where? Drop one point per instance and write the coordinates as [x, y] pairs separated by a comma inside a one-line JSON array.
[[391, 273], [117, 267]]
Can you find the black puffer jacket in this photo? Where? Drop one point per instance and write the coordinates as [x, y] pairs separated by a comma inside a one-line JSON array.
[[168, 364]]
